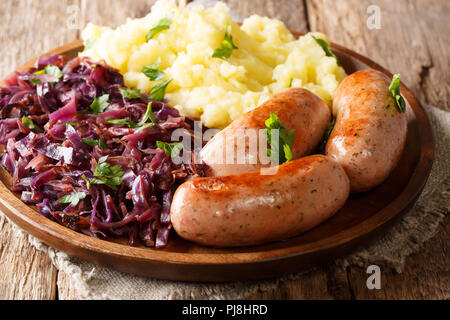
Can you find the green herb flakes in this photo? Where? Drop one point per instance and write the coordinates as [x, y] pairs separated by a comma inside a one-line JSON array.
[[73, 198], [226, 46], [162, 25], [394, 88]]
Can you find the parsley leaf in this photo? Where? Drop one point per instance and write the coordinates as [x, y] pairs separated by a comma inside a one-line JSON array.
[[171, 149], [287, 152], [106, 174], [162, 25], [325, 46], [148, 115], [73, 124], [73, 198], [88, 183], [148, 125], [152, 72], [226, 46], [50, 70], [394, 88], [100, 104], [282, 148], [28, 123], [93, 143], [127, 122], [40, 72], [54, 71], [157, 93], [130, 93]]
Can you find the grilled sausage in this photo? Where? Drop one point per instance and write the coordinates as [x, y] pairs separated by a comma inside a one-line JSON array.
[[298, 109], [370, 132], [250, 209]]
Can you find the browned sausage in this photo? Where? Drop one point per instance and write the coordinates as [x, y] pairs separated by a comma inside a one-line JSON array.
[[370, 132], [251, 208], [298, 109]]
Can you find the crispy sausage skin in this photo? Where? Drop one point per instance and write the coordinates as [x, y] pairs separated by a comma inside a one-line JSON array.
[[298, 109], [370, 133], [250, 209]]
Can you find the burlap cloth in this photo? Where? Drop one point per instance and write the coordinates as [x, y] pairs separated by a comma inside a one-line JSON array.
[[389, 251]]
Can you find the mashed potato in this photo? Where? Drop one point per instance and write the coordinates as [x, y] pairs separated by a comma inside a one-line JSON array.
[[217, 91]]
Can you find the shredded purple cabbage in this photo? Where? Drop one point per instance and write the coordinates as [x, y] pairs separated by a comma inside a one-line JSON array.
[[49, 160]]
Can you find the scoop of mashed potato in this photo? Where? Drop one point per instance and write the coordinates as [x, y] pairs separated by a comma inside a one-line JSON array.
[[268, 60]]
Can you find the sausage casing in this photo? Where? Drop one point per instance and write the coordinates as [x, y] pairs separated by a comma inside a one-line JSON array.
[[298, 109], [370, 132], [250, 209]]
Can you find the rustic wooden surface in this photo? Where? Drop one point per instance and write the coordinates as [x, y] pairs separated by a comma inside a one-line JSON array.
[[413, 40]]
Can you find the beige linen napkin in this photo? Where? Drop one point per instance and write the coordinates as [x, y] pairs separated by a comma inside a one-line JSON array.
[[402, 239]]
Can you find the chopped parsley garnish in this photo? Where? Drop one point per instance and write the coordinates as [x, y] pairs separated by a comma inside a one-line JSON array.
[[141, 125], [50, 70], [148, 125], [94, 142], [282, 148], [88, 183], [171, 149], [73, 124], [28, 123], [40, 72], [106, 174], [130, 93], [100, 104], [148, 115], [226, 46], [152, 71], [54, 71], [162, 25], [157, 93], [394, 88], [127, 122], [73, 198], [325, 46]]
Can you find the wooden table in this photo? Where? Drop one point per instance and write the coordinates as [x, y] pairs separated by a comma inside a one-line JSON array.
[[413, 40]]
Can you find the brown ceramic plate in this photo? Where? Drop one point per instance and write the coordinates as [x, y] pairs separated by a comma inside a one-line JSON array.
[[364, 216]]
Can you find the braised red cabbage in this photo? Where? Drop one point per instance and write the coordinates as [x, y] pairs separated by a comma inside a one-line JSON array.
[[63, 147]]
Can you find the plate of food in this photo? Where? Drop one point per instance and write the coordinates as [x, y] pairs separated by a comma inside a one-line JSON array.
[[185, 146]]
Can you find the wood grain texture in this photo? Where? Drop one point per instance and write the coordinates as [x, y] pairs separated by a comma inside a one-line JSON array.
[[291, 12], [414, 39], [66, 287], [112, 13], [25, 273], [426, 274], [425, 71]]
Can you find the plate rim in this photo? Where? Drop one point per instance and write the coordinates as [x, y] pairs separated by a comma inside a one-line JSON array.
[[19, 213]]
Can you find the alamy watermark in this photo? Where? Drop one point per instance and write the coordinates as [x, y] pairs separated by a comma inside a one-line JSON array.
[[374, 19], [73, 17], [374, 280]]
